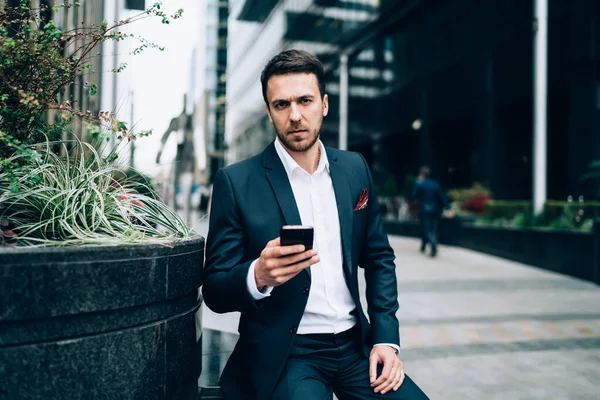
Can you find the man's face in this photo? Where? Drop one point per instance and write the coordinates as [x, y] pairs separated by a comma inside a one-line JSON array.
[[296, 109]]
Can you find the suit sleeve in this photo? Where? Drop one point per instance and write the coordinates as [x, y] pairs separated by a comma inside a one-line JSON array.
[[377, 259], [225, 268]]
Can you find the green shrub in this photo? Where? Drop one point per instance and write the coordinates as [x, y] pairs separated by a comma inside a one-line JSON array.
[[485, 221], [507, 209], [522, 220], [587, 225], [553, 209], [572, 218], [560, 215]]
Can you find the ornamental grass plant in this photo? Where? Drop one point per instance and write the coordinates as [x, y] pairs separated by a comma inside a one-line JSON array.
[[80, 198]]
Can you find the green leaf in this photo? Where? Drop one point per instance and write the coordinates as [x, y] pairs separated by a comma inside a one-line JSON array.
[[14, 187], [121, 126], [111, 157]]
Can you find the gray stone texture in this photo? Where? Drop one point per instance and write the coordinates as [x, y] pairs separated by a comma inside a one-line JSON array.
[[100, 322]]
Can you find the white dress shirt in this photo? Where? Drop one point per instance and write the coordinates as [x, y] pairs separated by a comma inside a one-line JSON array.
[[330, 304]]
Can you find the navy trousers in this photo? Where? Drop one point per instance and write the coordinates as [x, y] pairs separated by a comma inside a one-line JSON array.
[[429, 228], [322, 364]]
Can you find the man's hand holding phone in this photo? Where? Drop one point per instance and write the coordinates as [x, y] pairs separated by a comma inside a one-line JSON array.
[[278, 263]]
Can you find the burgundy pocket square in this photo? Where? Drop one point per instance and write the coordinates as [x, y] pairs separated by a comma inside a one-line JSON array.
[[362, 200]]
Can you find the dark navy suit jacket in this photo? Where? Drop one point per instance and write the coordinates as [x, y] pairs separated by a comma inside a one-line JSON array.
[[431, 197], [251, 201]]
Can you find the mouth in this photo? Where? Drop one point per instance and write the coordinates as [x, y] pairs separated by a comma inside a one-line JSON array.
[[297, 132]]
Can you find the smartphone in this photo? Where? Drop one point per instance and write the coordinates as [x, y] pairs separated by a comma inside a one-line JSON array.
[[297, 234]]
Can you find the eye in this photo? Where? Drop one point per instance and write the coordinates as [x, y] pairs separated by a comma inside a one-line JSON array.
[[305, 100], [280, 105]]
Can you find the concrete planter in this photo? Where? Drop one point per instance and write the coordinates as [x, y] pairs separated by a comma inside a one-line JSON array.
[[114, 322]]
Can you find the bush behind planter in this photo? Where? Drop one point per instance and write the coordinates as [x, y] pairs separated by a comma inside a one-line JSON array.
[[554, 209], [556, 215], [507, 209]]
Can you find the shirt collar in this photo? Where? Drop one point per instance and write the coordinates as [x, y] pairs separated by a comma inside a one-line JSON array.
[[291, 165]]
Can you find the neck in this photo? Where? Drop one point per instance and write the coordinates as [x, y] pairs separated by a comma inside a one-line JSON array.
[[307, 160]]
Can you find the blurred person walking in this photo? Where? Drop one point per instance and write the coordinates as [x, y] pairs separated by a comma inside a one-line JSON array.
[[432, 203]]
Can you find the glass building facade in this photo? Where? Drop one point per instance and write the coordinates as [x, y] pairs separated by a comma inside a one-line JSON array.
[[443, 83], [217, 12]]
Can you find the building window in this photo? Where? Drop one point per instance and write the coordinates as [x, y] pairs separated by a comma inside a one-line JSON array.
[[135, 4]]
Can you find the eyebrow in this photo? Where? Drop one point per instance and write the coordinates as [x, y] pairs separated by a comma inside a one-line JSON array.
[[279, 101], [305, 96]]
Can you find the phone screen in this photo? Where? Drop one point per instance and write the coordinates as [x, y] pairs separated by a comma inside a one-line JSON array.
[[297, 234]]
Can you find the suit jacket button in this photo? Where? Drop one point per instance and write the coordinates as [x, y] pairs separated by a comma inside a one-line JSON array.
[[293, 330], [305, 290]]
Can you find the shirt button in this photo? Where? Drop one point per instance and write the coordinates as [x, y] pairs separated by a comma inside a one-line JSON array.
[[305, 290], [293, 330]]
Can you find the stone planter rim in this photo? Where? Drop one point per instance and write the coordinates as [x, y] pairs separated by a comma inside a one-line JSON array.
[[73, 253]]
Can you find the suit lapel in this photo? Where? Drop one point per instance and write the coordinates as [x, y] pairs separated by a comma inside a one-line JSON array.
[[343, 199], [281, 186]]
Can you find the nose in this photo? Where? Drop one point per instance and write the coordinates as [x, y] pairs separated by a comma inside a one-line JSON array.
[[295, 115]]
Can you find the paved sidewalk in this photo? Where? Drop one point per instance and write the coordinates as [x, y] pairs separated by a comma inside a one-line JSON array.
[[478, 327]]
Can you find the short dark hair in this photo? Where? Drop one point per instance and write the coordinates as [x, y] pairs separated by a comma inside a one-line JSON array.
[[292, 62], [425, 171]]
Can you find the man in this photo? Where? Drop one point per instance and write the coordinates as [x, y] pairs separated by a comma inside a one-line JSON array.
[[432, 202], [303, 334]]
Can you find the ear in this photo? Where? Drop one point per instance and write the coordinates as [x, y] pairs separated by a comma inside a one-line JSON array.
[[325, 105], [269, 113]]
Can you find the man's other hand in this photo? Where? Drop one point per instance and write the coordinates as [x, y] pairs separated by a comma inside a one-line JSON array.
[[392, 374], [278, 264]]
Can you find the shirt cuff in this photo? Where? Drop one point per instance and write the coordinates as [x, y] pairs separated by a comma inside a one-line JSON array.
[[251, 283], [394, 346]]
